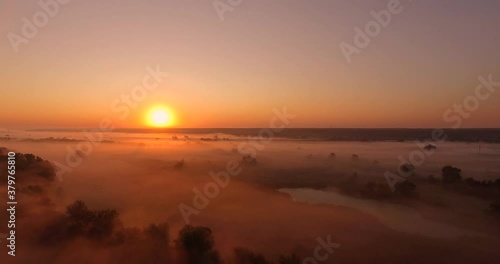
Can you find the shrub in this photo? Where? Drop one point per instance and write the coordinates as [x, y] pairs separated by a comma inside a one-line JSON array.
[[405, 188], [451, 174], [158, 233], [407, 168], [245, 256], [375, 190], [430, 147]]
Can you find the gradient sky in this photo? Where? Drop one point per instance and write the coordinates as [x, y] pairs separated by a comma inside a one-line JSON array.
[[264, 55]]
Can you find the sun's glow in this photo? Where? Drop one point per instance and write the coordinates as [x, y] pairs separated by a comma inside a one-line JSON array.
[[159, 117]]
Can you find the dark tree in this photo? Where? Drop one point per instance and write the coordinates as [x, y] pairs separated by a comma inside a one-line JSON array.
[[451, 174], [198, 243], [430, 147], [405, 188], [47, 171], [407, 168], [158, 233], [245, 256], [79, 218], [92, 224], [102, 224]]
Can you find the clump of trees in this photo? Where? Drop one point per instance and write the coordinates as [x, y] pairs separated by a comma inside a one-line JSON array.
[[245, 256], [451, 174], [42, 168], [81, 222], [484, 183], [158, 233], [407, 168], [95, 224], [405, 189], [430, 147], [24, 161], [194, 244], [197, 242], [374, 190]]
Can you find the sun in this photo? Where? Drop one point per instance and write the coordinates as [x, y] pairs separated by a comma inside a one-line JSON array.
[[159, 118]]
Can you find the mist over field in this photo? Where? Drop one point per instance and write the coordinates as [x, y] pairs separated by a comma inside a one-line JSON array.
[[249, 132], [281, 196]]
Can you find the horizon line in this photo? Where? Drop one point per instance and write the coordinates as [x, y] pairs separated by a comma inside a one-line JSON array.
[[214, 128]]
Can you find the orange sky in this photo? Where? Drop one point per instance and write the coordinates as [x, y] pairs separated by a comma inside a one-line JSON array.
[[264, 55]]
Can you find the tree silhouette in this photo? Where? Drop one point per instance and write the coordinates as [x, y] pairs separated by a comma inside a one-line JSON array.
[[158, 233], [430, 147], [79, 217], [407, 168], [405, 188], [198, 243], [245, 256], [451, 174], [93, 224]]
